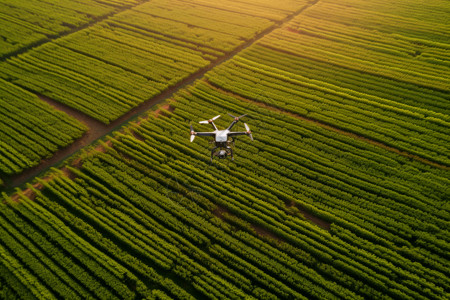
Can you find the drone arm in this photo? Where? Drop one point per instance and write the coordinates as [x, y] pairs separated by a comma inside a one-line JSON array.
[[205, 133], [193, 134], [232, 124], [213, 125], [233, 134], [211, 121], [236, 119], [236, 133]]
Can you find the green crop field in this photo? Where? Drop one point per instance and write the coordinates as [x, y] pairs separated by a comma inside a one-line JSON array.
[[30, 129], [135, 51], [343, 194], [27, 23], [107, 69]]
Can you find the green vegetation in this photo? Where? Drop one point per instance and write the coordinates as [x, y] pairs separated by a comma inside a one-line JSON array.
[[149, 203], [323, 67], [342, 194], [30, 130], [109, 68], [27, 23]]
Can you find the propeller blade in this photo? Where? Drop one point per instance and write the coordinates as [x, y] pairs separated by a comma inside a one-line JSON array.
[[249, 133], [192, 134], [210, 120], [237, 118]]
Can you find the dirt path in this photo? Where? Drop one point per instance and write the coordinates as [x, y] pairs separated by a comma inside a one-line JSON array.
[[98, 130]]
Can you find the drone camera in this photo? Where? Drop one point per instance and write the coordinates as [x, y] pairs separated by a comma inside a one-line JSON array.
[[222, 154]]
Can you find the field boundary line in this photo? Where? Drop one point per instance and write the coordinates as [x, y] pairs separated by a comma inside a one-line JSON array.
[[137, 111], [331, 128]]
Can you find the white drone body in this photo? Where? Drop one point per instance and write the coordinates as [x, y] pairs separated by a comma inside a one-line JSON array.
[[221, 136]]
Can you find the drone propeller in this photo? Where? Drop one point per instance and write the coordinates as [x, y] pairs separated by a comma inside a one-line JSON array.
[[210, 120], [249, 133], [192, 134], [237, 118]]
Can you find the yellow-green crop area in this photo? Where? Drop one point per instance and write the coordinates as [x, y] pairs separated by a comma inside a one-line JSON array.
[[131, 54], [344, 193]]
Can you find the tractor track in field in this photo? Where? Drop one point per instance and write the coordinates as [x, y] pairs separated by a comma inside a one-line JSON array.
[[98, 130]]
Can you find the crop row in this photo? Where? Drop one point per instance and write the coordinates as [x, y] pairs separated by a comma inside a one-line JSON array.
[[340, 59], [424, 28], [384, 88], [367, 51], [334, 106], [24, 24], [107, 69], [361, 37], [383, 204], [141, 61], [263, 9], [215, 19], [30, 129], [79, 265]]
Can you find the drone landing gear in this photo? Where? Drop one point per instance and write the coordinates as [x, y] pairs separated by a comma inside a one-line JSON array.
[[231, 152], [212, 152]]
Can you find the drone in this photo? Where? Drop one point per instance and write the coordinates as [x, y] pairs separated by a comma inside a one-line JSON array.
[[221, 137]]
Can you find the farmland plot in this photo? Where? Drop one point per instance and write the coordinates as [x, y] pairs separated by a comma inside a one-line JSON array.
[[109, 68], [371, 83], [27, 23], [343, 194], [113, 66], [150, 203], [30, 130]]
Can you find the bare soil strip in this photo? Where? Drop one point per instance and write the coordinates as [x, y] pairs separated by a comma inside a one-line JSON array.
[[219, 212], [316, 220], [98, 130], [332, 128]]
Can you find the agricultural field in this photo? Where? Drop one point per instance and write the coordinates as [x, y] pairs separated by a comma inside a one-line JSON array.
[[30, 130], [24, 24], [111, 67], [374, 84], [139, 50], [344, 193], [169, 223]]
